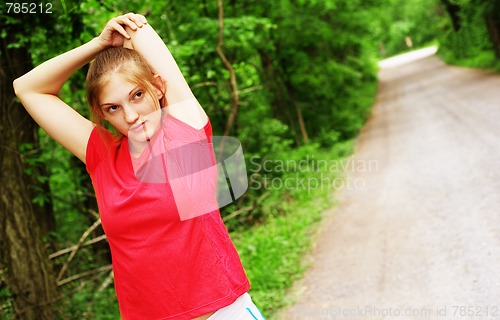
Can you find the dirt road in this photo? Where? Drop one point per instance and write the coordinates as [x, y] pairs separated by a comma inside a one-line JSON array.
[[420, 237]]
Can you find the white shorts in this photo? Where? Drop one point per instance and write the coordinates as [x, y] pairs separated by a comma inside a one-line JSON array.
[[241, 309]]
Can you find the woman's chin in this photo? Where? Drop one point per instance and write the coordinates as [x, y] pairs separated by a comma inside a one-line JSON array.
[[141, 134], [137, 143], [140, 137]]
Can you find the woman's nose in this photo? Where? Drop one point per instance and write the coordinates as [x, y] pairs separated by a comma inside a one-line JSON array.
[[131, 115]]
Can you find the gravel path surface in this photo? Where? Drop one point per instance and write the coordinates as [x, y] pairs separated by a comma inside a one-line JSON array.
[[417, 236]]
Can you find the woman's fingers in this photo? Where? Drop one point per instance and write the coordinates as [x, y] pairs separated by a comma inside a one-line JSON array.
[[115, 28], [139, 19], [132, 20], [117, 25]]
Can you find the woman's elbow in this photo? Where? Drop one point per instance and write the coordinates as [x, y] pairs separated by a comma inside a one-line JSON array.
[[17, 84], [21, 87]]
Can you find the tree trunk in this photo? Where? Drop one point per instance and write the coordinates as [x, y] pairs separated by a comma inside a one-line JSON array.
[[296, 106], [302, 126], [280, 97], [29, 274], [453, 11], [494, 31]]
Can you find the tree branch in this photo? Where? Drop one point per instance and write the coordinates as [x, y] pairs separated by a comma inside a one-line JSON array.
[[77, 247], [203, 84], [229, 67], [109, 279], [247, 208], [85, 274]]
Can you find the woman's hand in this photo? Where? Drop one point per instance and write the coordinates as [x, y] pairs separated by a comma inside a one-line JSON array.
[[114, 34]]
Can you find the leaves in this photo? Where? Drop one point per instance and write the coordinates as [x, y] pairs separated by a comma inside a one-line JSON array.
[[476, 42]]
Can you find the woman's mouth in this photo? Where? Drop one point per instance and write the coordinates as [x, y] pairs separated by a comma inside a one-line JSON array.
[[138, 127]]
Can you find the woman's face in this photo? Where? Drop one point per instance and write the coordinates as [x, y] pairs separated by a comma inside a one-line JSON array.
[[130, 109]]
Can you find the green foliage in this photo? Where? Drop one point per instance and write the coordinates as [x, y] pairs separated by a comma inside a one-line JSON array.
[[34, 160], [322, 50], [90, 302], [471, 38], [472, 45], [405, 25], [68, 191], [6, 309]]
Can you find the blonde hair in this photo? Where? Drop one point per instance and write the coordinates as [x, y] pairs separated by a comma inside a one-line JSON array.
[[134, 69]]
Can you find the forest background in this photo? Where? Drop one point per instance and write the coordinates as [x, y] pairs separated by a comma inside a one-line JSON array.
[[293, 80]]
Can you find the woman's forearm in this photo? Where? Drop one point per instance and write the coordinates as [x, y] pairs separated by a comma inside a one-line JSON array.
[[50, 76]]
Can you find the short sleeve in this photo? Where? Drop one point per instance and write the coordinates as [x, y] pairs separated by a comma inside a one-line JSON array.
[[99, 146], [208, 130]]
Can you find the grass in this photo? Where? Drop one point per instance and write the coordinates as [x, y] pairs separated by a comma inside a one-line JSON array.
[[485, 60], [273, 252]]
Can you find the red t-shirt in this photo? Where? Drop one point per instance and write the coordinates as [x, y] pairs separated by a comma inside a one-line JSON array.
[[164, 268]]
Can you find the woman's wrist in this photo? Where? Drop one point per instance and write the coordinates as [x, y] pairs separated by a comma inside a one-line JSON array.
[[98, 44]]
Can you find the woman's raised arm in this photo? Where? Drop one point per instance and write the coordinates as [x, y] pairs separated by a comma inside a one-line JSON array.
[[181, 100], [38, 89]]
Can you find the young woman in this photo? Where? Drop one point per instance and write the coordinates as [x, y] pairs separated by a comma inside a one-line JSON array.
[[166, 265]]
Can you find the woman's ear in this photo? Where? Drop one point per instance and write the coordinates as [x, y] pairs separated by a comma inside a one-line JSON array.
[[160, 86]]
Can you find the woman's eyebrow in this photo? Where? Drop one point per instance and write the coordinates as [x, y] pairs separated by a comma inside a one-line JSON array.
[[132, 91], [102, 105]]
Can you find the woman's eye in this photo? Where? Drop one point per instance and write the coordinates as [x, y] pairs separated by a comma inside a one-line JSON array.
[[112, 109], [138, 94]]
